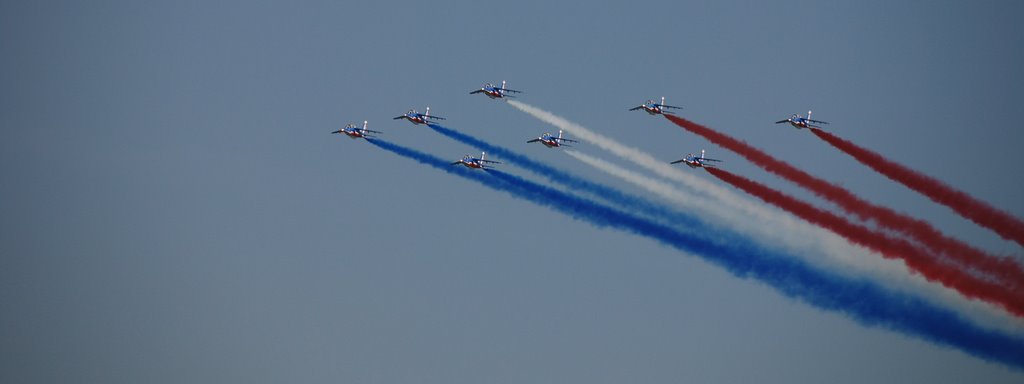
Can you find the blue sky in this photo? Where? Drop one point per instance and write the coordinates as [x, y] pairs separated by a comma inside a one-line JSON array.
[[175, 210]]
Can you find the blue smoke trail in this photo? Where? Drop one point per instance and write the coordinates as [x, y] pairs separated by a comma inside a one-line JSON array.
[[865, 302], [556, 175]]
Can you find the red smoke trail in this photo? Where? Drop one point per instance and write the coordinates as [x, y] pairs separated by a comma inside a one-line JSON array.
[[1007, 270], [890, 247], [980, 212]]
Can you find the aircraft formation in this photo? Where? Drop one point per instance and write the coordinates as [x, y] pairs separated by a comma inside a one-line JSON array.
[[547, 139], [923, 248]]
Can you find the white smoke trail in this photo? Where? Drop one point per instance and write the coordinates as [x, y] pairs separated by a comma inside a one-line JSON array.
[[643, 159], [775, 228]]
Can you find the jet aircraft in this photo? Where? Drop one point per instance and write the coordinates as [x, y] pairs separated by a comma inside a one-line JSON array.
[[802, 122], [695, 162], [418, 118], [476, 163], [494, 92], [655, 108], [552, 141], [357, 133]]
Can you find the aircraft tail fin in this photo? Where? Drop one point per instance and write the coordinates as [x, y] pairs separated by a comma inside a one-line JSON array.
[[427, 113], [702, 154], [559, 133], [663, 100], [503, 85], [483, 156], [808, 115], [364, 124]]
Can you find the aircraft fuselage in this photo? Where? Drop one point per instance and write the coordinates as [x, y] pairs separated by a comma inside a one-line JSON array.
[[471, 164]]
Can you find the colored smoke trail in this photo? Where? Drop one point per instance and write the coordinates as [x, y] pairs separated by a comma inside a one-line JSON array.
[[865, 302], [980, 212], [892, 247], [887, 218], [796, 237]]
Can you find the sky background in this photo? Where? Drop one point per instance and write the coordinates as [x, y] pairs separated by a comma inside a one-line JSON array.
[[173, 207]]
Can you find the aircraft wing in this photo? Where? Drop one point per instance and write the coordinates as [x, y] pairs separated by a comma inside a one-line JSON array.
[[489, 161], [435, 117], [678, 161], [399, 117], [533, 141], [512, 90], [782, 121], [339, 131], [567, 140], [669, 106], [457, 162], [371, 131], [817, 121], [477, 91], [636, 108], [706, 159]]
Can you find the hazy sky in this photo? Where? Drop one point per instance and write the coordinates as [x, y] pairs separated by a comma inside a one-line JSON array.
[[173, 208]]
